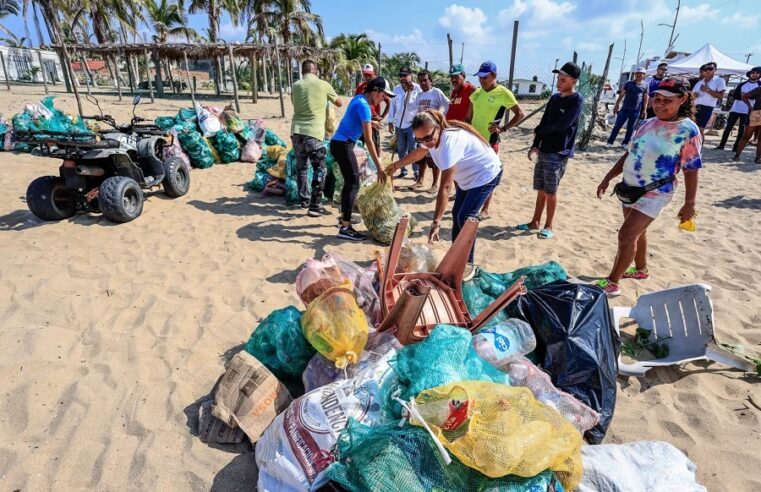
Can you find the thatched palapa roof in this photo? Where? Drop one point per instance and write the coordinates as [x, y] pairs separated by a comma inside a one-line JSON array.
[[176, 51]]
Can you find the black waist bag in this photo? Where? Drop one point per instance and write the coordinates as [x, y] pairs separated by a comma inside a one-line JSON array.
[[628, 195]]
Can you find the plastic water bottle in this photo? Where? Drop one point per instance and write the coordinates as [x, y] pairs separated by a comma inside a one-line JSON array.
[[497, 343]]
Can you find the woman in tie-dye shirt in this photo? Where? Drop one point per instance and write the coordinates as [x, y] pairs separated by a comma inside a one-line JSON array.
[[662, 147]]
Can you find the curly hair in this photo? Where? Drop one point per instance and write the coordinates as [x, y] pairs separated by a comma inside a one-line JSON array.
[[687, 108]]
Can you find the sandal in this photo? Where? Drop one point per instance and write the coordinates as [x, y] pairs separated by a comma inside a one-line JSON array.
[[635, 274], [611, 289], [546, 234], [482, 217], [524, 227]]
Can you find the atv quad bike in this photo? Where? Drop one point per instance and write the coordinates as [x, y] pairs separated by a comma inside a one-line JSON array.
[[104, 171]]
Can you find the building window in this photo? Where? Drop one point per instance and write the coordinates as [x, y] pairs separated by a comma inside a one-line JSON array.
[[23, 64], [532, 89]]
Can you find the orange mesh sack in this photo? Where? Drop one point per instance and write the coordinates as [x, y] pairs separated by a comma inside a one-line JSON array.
[[336, 326], [502, 430]]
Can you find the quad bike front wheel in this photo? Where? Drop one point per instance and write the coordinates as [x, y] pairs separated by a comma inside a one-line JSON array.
[[120, 199], [176, 177], [49, 199]]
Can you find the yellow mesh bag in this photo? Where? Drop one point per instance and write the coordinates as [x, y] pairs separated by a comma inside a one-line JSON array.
[[279, 154], [336, 326], [380, 212], [502, 430]]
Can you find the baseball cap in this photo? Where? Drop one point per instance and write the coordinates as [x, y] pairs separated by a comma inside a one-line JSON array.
[[640, 70], [570, 69], [456, 69], [381, 83], [404, 71], [673, 86], [486, 68], [754, 69], [368, 68]]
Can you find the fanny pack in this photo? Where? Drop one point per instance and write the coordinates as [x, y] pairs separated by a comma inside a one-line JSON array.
[[628, 195]]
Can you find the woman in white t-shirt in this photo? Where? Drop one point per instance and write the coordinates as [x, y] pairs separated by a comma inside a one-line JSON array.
[[464, 158]]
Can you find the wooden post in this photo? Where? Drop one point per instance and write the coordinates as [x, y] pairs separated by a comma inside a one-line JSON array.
[[575, 56], [234, 77], [148, 73], [190, 82], [116, 72], [449, 43], [70, 71], [277, 79], [195, 85], [254, 88], [169, 74], [85, 71], [42, 71], [379, 58], [587, 133], [512, 55], [130, 74], [5, 71], [157, 76]]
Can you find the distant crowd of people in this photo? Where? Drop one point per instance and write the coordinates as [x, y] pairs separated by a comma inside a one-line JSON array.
[[457, 137]]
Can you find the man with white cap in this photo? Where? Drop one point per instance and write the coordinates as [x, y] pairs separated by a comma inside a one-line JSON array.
[[368, 74], [635, 96]]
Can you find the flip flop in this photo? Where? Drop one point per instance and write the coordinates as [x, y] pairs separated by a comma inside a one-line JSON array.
[[482, 217], [523, 227], [546, 234]]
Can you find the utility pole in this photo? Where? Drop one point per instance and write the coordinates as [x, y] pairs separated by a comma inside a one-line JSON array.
[[379, 58], [672, 39], [747, 57], [512, 55], [449, 43], [641, 35], [623, 58], [462, 52]]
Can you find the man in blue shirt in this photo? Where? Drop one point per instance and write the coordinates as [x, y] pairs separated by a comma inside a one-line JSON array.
[[635, 95], [554, 140]]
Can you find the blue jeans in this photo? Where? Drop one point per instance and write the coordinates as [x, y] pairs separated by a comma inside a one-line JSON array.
[[405, 143], [629, 116], [468, 203]]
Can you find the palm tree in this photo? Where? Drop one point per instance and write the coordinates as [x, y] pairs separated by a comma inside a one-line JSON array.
[[392, 64], [14, 41], [166, 19], [25, 8], [10, 7], [355, 50], [289, 17]]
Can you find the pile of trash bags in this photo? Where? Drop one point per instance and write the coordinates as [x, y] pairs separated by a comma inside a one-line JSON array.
[[326, 397], [42, 116], [209, 134]]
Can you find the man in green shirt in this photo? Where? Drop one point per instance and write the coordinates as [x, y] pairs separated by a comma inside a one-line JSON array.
[[489, 106], [310, 97]]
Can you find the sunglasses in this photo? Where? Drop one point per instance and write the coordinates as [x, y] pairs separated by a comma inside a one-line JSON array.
[[427, 138], [708, 69]]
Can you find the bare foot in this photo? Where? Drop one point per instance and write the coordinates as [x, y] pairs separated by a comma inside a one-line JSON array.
[[433, 190]]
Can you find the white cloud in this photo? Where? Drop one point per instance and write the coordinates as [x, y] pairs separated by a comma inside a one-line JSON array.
[[470, 22], [586, 46], [232, 33], [738, 19], [698, 13], [539, 11]]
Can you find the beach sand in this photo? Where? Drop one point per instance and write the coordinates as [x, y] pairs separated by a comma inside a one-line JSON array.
[[111, 334]]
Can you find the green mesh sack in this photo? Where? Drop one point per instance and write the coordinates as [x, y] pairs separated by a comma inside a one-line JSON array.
[[165, 122], [485, 287], [380, 212], [246, 133], [60, 121], [197, 149], [271, 138], [389, 458], [261, 176], [232, 121], [445, 356], [23, 122], [187, 114], [227, 146], [291, 174], [279, 344]]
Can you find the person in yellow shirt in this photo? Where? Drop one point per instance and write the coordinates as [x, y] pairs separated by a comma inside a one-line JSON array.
[[490, 106]]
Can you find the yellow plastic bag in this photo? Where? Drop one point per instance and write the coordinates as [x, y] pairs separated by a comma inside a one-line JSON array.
[[380, 212], [336, 326], [330, 119], [502, 430], [280, 154], [688, 225], [214, 153]]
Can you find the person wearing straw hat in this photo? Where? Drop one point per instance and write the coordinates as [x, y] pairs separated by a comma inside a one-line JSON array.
[[635, 97]]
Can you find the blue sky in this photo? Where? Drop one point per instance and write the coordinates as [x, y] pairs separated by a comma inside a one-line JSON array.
[[549, 29]]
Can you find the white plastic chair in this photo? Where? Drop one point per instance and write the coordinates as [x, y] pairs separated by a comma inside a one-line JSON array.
[[686, 315]]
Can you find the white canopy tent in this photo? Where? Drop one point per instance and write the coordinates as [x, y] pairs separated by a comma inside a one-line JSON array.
[[725, 65]]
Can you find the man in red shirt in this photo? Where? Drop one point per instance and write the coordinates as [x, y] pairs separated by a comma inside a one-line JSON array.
[[459, 100], [368, 73]]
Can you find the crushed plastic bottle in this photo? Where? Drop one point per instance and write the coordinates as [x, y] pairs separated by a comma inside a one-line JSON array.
[[511, 337]]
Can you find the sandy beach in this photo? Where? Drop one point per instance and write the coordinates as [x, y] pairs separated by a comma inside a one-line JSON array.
[[111, 334]]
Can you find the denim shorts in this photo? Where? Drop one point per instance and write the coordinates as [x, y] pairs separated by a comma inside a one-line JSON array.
[[548, 172]]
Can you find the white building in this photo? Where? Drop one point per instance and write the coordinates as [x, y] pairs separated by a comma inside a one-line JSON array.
[[528, 87], [23, 65]]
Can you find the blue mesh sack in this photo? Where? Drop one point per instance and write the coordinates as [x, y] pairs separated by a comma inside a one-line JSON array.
[[164, 122], [279, 344], [445, 356], [271, 138], [60, 122], [389, 458]]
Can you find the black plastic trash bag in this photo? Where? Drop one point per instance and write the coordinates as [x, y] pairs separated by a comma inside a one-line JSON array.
[[576, 344]]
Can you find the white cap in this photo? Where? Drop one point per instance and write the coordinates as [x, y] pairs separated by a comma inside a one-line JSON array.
[[640, 70], [368, 68]]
